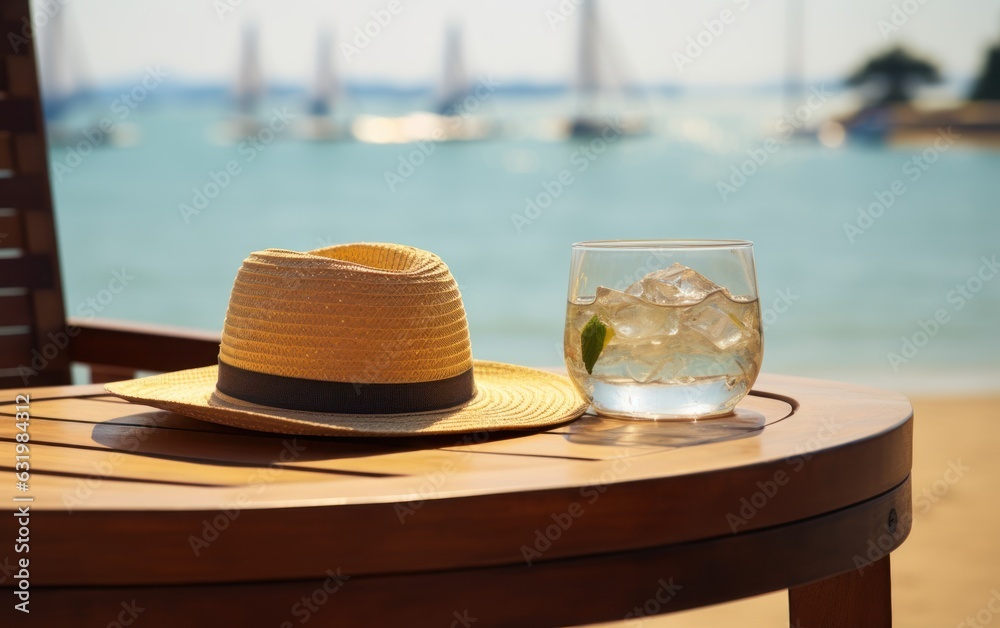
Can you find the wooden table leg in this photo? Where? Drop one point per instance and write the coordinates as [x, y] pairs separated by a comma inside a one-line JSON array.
[[856, 599]]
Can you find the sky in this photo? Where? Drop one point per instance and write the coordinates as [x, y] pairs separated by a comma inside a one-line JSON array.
[[516, 40]]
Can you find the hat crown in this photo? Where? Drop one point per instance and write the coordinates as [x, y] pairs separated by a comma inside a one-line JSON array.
[[359, 313]]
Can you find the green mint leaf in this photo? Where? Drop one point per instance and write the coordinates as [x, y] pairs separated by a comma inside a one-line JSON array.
[[594, 337]]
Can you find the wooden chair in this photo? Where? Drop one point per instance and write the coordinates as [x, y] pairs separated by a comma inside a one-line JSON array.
[[38, 343]]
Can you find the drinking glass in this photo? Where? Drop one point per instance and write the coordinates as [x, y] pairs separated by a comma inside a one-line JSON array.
[[663, 329]]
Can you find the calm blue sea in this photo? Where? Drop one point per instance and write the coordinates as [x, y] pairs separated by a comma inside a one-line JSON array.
[[844, 306]]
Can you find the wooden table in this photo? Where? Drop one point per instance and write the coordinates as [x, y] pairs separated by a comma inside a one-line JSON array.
[[148, 517]]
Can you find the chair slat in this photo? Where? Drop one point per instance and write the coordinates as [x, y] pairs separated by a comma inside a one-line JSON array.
[[11, 235], [24, 192], [13, 10], [15, 310], [13, 381], [15, 350], [28, 153], [21, 76], [18, 114], [28, 271], [6, 149], [14, 33], [24, 186]]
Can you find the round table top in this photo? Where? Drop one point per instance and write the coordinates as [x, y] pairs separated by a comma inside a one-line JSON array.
[[126, 494]]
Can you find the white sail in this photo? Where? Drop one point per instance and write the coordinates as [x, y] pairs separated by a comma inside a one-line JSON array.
[[324, 91], [61, 63], [249, 80], [446, 124], [599, 82], [587, 70], [454, 83]]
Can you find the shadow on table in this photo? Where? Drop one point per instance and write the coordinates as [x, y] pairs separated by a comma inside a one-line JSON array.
[[597, 430], [164, 434], [169, 435]]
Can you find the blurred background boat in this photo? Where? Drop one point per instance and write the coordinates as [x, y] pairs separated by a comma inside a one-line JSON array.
[[249, 90], [319, 123], [600, 92], [453, 118], [73, 110]]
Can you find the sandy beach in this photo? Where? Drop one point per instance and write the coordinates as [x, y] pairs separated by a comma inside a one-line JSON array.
[[948, 570]]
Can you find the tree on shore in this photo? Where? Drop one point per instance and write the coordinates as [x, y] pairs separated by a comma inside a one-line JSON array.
[[988, 84], [894, 76]]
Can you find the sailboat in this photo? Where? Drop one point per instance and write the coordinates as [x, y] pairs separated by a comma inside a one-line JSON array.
[[70, 107], [247, 93], [450, 121], [591, 87], [60, 72], [454, 84], [319, 123]]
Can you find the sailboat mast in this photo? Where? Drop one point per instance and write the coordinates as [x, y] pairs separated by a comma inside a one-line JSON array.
[[794, 74], [250, 85], [324, 89], [63, 71], [453, 81], [587, 80]]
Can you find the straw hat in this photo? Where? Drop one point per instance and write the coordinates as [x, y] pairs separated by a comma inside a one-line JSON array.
[[354, 340]]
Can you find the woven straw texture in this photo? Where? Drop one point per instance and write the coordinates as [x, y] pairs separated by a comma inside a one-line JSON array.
[[360, 313], [357, 313], [507, 397]]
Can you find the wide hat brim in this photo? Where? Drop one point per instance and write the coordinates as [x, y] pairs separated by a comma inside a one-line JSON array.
[[507, 397]]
